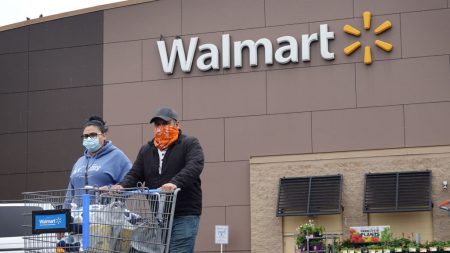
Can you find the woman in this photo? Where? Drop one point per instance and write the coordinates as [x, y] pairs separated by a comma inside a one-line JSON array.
[[101, 164]]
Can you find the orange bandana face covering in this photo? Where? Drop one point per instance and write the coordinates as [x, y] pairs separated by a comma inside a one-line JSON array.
[[164, 136]]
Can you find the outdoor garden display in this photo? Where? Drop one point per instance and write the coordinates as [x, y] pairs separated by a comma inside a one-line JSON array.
[[312, 238], [389, 244], [309, 237]]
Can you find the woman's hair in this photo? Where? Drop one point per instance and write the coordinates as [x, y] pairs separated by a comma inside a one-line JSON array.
[[98, 122]]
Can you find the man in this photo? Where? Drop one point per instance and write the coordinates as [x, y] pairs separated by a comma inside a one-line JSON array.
[[172, 160]]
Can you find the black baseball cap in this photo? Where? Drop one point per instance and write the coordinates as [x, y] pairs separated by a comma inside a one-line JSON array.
[[166, 114]]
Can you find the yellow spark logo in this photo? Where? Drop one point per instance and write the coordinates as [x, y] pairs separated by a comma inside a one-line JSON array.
[[386, 25]]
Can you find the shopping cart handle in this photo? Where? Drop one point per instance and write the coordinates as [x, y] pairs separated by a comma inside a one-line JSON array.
[[150, 191], [142, 191], [147, 191]]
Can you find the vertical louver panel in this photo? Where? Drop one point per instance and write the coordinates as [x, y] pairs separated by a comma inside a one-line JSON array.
[[309, 195], [380, 193], [396, 192], [414, 191]]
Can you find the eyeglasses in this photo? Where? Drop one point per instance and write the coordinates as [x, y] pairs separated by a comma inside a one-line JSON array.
[[92, 135]]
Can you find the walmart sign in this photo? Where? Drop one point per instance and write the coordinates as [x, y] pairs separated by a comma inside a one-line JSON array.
[[209, 58], [287, 49]]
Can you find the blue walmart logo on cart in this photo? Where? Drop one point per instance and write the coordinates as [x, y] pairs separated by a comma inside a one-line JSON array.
[[50, 221]]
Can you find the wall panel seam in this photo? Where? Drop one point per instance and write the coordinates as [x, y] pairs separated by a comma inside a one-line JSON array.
[[65, 88], [356, 86], [142, 60], [224, 140], [401, 37], [265, 14], [14, 52], [290, 67], [214, 206], [286, 68], [311, 133], [69, 47], [404, 126], [28, 109]]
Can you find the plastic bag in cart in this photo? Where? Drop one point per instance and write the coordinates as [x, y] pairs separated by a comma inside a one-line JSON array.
[[150, 236], [110, 229], [147, 239]]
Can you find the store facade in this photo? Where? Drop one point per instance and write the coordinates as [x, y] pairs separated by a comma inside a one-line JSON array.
[[265, 85]]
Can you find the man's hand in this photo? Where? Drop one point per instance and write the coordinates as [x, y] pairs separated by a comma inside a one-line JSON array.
[[168, 187]]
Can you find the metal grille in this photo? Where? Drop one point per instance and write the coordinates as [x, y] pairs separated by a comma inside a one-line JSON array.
[[309, 195], [397, 192]]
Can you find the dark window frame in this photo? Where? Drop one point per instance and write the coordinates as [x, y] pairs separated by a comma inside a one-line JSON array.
[[293, 192], [404, 194]]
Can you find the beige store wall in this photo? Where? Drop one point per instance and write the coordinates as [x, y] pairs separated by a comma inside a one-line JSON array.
[[266, 171]]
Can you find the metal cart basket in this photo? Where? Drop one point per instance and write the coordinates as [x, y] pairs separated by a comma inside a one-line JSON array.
[[89, 220]]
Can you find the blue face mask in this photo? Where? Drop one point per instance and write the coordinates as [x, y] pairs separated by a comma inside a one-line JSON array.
[[91, 144]]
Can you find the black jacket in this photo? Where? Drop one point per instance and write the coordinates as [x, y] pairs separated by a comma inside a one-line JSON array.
[[182, 165]]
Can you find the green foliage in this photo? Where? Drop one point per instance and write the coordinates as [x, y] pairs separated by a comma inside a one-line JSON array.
[[438, 244], [412, 245], [309, 230], [386, 235], [401, 242], [388, 241], [374, 246], [315, 242]]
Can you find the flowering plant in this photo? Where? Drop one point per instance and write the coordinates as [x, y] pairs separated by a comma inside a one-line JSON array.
[[308, 230]]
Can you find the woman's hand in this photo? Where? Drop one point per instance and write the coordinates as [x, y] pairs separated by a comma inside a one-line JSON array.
[[116, 187]]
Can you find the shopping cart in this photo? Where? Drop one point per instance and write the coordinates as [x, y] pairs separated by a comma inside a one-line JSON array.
[[89, 220]]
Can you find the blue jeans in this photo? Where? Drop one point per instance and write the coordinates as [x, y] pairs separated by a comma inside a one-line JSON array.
[[184, 232]]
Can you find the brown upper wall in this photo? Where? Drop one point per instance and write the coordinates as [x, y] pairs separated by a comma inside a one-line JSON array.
[[426, 33], [72, 13], [321, 91], [143, 21], [221, 15], [13, 41], [51, 77], [386, 6], [293, 11], [67, 32]]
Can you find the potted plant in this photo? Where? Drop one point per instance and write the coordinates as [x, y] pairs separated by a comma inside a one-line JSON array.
[[446, 246], [316, 245], [435, 246], [389, 247], [374, 248], [386, 235], [412, 247], [344, 246], [309, 231], [423, 248], [400, 244]]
